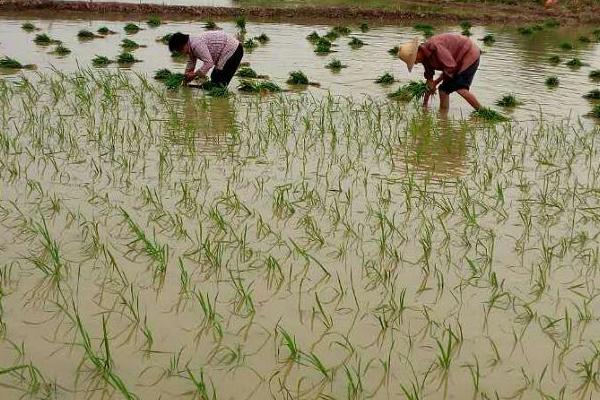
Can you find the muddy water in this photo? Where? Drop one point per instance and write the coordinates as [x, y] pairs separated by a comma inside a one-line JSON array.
[[514, 64]]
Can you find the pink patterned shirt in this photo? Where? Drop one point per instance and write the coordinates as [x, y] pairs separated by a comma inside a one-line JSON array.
[[213, 48]]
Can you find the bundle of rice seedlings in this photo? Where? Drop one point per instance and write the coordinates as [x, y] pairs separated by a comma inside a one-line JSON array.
[[364, 27], [595, 111], [28, 27], [61, 50], [488, 39], [508, 101], [240, 22], [126, 58], [162, 74], [100, 61], [356, 43], [525, 30], [313, 37], [592, 95], [575, 63], [552, 81], [489, 115], [84, 34], [11, 63], [335, 65], [595, 75], [342, 30], [165, 39], [297, 78], [154, 21], [103, 30], [44, 40], [129, 44], [262, 38], [554, 59], [566, 46], [174, 81], [210, 25], [132, 28], [386, 79], [331, 35], [394, 51], [250, 44], [323, 46], [410, 91], [258, 87]]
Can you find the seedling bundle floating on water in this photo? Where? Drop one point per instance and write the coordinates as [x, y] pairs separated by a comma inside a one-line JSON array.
[[335, 65], [210, 25], [299, 78], [61, 50], [313, 37], [592, 95], [162, 74], [386, 79], [575, 63], [595, 111], [552, 81], [410, 91], [240, 22], [364, 27], [394, 51], [29, 27], [129, 44], [595, 75], [131, 28], [466, 28], [488, 39], [258, 87], [489, 115], [356, 43], [154, 21], [84, 34], [101, 61], [165, 39], [323, 46], [11, 63], [342, 30], [250, 44], [105, 31], [554, 60], [126, 58], [44, 40], [426, 29], [566, 46], [262, 38], [249, 73], [508, 101]]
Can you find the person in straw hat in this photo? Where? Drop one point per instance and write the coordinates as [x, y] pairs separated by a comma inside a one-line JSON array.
[[456, 56]]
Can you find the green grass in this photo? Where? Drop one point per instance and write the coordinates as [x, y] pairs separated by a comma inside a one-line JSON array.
[[385, 79], [297, 78]]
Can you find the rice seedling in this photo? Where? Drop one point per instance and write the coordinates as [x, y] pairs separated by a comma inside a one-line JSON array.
[[297, 78], [356, 43], [174, 81], [592, 95], [165, 38], [335, 65], [385, 79], [508, 101], [595, 111], [250, 44], [129, 44], [423, 27], [575, 63], [466, 28], [84, 34], [43, 39], [103, 30], [210, 25], [566, 45], [332, 36], [240, 23], [11, 63], [552, 81], [28, 27], [554, 60], [394, 51], [342, 30], [262, 38], [412, 90], [364, 27], [179, 57], [61, 50], [551, 23], [258, 87], [131, 28], [313, 37], [584, 39], [100, 61], [594, 75], [126, 58], [162, 74], [323, 46], [526, 30], [154, 21], [249, 73], [218, 91], [489, 115], [489, 39]]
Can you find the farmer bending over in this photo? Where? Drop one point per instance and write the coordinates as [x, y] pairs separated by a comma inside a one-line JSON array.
[[216, 49], [456, 56]]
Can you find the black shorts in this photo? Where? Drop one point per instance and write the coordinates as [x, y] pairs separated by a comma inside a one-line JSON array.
[[223, 76], [462, 80]]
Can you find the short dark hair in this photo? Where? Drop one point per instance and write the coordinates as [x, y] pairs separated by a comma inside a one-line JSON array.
[[177, 41]]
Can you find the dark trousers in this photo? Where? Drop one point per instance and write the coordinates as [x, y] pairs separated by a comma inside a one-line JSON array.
[[223, 76]]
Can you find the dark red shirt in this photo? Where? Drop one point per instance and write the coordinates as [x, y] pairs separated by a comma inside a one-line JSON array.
[[449, 53]]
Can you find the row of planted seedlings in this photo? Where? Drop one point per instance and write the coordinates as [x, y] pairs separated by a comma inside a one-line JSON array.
[[318, 247]]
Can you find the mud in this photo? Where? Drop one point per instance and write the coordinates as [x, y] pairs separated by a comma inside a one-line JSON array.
[[482, 13]]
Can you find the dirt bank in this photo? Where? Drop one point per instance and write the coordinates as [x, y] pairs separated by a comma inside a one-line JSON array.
[[414, 10]]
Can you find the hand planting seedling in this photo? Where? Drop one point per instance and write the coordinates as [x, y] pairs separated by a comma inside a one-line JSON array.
[[335, 65], [385, 79]]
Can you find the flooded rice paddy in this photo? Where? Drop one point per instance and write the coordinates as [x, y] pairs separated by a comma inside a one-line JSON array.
[[319, 244]]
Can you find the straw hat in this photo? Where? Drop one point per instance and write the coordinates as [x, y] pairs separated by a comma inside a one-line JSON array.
[[408, 53]]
